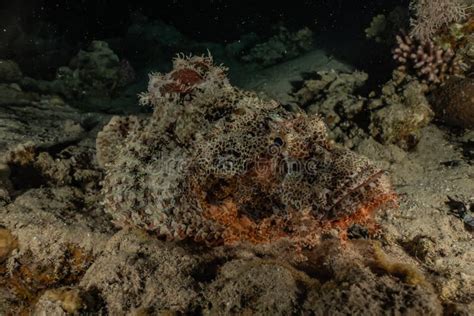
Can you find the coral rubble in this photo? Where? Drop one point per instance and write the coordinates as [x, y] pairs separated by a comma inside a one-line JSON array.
[[218, 164]]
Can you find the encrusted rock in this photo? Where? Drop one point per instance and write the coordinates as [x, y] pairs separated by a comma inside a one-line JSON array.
[[332, 95], [269, 288], [136, 272], [355, 288], [402, 111], [42, 123], [454, 102]]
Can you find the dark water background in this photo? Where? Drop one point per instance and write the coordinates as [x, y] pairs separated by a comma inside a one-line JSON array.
[[71, 24]]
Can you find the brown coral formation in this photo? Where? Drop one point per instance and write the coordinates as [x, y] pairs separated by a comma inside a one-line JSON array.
[[430, 63], [401, 112], [454, 102], [220, 165]]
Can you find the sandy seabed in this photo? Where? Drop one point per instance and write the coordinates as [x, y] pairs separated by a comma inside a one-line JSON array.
[[60, 253]]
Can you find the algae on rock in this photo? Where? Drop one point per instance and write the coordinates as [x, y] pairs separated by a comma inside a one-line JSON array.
[[401, 112]]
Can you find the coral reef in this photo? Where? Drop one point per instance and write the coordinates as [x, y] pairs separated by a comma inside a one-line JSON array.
[[383, 28], [218, 164], [430, 63], [282, 46], [332, 95], [453, 103], [431, 15], [60, 254], [401, 112], [95, 73], [395, 115], [459, 37]]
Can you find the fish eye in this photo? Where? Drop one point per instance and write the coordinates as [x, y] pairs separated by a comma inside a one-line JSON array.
[[278, 141]]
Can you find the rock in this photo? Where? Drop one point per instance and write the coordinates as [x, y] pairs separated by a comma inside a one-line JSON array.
[[9, 71], [7, 243], [62, 301], [384, 155], [254, 287], [332, 95], [12, 94], [5, 183], [453, 102], [400, 114], [59, 231], [136, 271], [356, 283], [44, 123]]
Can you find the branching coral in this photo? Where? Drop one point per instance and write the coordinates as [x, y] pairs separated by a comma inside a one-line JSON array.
[[431, 15], [220, 165], [430, 63]]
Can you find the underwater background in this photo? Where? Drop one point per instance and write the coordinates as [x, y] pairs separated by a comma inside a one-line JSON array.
[[236, 157]]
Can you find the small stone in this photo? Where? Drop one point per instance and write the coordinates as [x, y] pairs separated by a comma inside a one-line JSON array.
[[7, 243], [421, 247], [69, 300]]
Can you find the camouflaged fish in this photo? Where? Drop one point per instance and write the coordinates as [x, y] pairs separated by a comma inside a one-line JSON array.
[[217, 164]]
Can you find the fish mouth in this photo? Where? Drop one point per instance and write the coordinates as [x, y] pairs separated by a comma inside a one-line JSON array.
[[363, 190]]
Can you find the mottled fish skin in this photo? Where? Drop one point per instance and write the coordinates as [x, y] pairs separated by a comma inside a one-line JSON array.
[[217, 164], [344, 179]]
